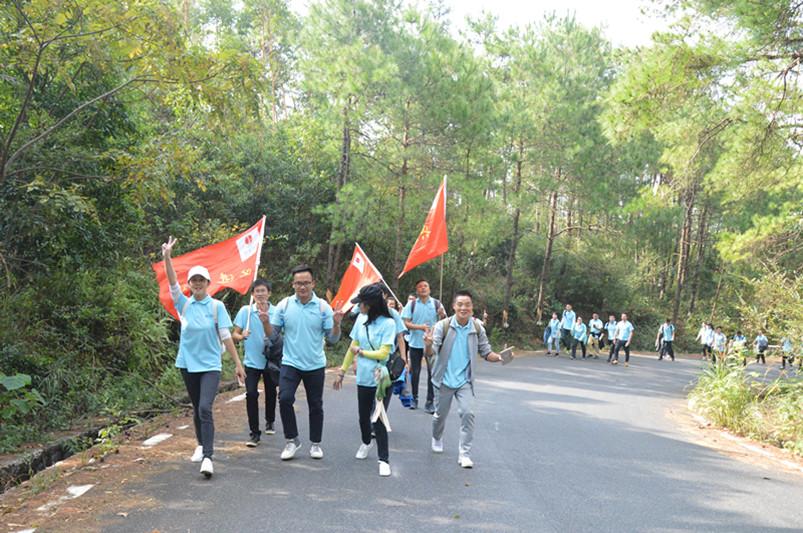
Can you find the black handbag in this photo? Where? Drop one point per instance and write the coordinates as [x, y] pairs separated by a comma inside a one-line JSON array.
[[395, 366]]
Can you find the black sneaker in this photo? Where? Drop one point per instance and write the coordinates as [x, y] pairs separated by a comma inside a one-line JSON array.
[[430, 408], [253, 441], [414, 404], [269, 429]]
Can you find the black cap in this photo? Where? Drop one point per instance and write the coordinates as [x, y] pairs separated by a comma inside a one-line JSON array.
[[368, 293]]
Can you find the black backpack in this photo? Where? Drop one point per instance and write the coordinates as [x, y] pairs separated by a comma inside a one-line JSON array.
[[273, 354]]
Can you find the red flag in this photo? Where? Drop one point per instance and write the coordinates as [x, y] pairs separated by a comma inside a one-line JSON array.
[[432, 241], [231, 263], [360, 272]]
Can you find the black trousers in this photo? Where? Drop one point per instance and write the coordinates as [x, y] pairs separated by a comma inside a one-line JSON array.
[[366, 397], [252, 376], [667, 349], [566, 339], [416, 355], [289, 380], [202, 389], [621, 344], [574, 347]]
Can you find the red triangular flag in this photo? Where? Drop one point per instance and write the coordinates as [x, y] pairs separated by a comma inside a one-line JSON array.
[[360, 272], [432, 241], [231, 263]]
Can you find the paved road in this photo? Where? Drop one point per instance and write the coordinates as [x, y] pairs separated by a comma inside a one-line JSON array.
[[560, 446]]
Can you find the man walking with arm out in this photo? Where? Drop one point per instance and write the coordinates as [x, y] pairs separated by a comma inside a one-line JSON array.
[[455, 342], [624, 334], [594, 334]]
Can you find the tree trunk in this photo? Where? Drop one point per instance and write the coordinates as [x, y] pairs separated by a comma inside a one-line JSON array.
[[333, 253], [702, 232], [397, 266], [514, 244], [683, 248], [550, 239], [716, 297]]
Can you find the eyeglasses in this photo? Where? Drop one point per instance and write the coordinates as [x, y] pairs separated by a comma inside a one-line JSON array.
[[303, 283]]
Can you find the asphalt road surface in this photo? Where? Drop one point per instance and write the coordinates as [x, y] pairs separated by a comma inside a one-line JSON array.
[[560, 445]]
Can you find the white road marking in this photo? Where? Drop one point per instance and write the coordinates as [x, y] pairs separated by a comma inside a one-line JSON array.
[[156, 439], [72, 493]]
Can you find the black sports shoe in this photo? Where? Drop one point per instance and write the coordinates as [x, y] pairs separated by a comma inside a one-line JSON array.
[[414, 404], [253, 441], [269, 429]]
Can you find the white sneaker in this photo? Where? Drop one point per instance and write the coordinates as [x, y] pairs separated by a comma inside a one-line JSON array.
[[384, 469], [206, 467], [315, 451], [363, 450], [437, 445], [197, 455], [290, 450], [465, 461]]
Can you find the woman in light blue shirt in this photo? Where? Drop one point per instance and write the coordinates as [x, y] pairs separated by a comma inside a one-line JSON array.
[[554, 335], [205, 325], [579, 336], [372, 337]]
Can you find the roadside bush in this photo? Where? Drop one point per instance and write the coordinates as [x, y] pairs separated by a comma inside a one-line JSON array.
[[771, 412]]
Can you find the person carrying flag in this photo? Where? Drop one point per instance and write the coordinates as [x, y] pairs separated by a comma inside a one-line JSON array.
[[205, 325]]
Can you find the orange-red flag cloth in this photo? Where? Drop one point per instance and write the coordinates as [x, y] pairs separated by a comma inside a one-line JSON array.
[[360, 272], [432, 241], [231, 263]]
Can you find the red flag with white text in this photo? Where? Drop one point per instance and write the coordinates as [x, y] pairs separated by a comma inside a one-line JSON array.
[[231, 263], [432, 241], [360, 272]]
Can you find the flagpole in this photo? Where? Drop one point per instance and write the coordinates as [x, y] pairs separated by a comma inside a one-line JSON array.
[[256, 271], [440, 289]]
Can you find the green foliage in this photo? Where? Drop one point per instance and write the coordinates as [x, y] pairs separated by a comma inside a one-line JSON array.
[[766, 411]]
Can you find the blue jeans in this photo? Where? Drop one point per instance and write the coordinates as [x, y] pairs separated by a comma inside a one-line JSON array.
[[289, 379], [202, 389]]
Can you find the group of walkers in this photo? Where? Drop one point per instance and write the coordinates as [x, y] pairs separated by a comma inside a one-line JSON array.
[[569, 332], [284, 346], [715, 346]]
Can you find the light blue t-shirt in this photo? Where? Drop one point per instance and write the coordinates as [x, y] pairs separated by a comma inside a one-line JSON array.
[[425, 313], [624, 330], [786, 344], [304, 330], [708, 336], [199, 346], [568, 320], [595, 324], [579, 332], [611, 327], [669, 332], [400, 327], [554, 326], [761, 339], [380, 332], [457, 368], [255, 343], [720, 342]]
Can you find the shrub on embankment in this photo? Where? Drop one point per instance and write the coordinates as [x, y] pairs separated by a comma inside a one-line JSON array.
[[749, 405]]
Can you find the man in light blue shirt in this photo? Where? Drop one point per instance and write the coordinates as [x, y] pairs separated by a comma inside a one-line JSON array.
[[624, 334], [594, 334], [456, 342], [305, 321], [419, 314], [566, 325], [248, 330], [666, 332]]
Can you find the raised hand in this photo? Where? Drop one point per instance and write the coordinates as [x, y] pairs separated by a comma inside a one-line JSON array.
[[262, 312], [338, 314], [429, 340], [167, 247]]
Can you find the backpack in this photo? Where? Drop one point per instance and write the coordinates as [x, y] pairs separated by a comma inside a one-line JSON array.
[[214, 316], [273, 354]]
